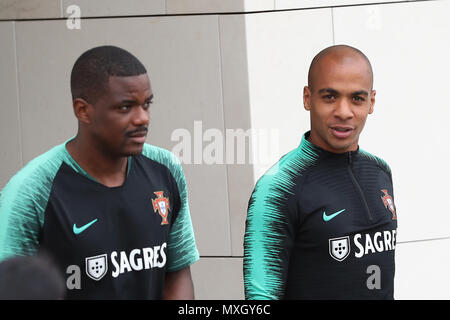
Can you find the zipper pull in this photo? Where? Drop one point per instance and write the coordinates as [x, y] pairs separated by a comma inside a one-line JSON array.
[[349, 157]]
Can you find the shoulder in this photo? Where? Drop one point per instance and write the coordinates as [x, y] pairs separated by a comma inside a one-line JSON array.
[[382, 164], [160, 155], [23, 201], [168, 160], [37, 173], [284, 175], [289, 168]]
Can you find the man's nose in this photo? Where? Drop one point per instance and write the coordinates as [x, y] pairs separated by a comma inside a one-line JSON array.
[[343, 109], [141, 116]]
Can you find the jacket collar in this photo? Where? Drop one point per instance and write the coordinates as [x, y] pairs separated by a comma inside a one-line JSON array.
[[311, 148]]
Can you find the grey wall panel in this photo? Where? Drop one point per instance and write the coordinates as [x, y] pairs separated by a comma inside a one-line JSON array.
[[237, 123], [217, 6], [105, 8], [10, 140], [204, 6], [218, 279], [30, 9]]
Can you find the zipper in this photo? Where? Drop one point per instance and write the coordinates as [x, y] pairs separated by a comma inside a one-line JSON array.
[[358, 187]]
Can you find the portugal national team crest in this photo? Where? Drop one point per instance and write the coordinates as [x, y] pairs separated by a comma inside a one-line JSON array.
[[97, 266], [339, 248], [161, 204], [389, 203]]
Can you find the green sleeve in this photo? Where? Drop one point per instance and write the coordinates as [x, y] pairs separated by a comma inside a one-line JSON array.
[[270, 226], [266, 242], [22, 204], [182, 249]]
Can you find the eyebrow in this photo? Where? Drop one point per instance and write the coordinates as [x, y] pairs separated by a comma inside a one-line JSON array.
[[328, 90], [333, 91], [360, 93], [134, 101]]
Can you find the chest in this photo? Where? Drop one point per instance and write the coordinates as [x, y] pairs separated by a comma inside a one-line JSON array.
[[84, 218], [347, 209]]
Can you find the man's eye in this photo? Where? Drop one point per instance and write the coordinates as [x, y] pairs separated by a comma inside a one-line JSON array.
[[358, 98], [147, 104], [329, 97], [124, 107]]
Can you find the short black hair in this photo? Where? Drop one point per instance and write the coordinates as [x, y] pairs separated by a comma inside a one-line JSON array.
[[333, 49], [91, 72]]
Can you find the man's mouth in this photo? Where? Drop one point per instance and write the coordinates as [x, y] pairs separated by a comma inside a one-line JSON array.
[[138, 136], [341, 132]]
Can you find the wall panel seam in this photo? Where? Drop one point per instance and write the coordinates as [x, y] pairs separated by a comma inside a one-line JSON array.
[[332, 25], [423, 240], [224, 128], [19, 109], [217, 13]]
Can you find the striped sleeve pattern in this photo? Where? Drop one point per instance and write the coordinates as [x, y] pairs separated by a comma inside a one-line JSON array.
[[22, 204], [181, 248], [268, 236]]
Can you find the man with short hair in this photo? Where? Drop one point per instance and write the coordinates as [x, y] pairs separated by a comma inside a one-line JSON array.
[[112, 210], [322, 223]]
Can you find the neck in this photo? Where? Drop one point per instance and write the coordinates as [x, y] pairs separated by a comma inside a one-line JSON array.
[[107, 169]]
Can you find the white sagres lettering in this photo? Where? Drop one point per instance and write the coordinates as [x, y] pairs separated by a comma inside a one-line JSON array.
[[136, 260], [381, 241], [139, 259], [339, 248]]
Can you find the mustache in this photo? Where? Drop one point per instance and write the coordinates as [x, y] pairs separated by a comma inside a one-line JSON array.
[[139, 130]]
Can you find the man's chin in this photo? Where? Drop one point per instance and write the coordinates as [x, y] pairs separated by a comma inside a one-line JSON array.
[[342, 146], [134, 150]]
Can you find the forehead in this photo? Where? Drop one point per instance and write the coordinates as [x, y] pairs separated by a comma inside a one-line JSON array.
[[130, 85], [344, 73]]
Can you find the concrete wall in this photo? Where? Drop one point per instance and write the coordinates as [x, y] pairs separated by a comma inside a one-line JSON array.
[[242, 64]]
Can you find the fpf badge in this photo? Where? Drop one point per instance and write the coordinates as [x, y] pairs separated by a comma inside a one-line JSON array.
[[96, 267], [162, 206], [389, 203]]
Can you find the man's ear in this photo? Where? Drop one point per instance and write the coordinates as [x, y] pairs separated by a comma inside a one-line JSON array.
[[82, 110], [372, 101], [307, 98]]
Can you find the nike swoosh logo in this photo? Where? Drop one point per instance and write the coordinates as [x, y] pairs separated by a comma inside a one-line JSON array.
[[81, 229], [331, 216]]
